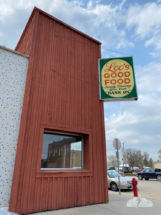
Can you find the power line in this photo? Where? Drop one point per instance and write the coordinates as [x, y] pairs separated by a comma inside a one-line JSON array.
[[117, 51]]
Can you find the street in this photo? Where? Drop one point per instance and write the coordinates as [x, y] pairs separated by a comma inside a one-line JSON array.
[[150, 188]]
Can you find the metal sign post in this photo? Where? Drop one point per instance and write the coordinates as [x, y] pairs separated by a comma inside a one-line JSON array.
[[123, 158], [118, 166], [117, 146]]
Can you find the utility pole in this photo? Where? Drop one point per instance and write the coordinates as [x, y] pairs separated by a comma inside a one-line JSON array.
[[117, 146], [123, 157], [118, 163]]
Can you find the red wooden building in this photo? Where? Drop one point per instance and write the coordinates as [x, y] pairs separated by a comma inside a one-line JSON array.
[[61, 96]]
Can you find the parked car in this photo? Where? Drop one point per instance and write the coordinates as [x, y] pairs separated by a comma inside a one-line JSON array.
[[127, 169], [150, 173], [134, 168], [120, 171], [138, 170], [113, 183], [111, 168]]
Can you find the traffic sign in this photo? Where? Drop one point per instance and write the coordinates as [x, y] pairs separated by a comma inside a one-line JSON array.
[[116, 144]]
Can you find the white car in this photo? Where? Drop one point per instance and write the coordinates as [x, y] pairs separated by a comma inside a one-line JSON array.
[[113, 183]]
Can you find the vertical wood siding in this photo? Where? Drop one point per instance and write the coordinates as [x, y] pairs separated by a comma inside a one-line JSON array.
[[25, 42], [62, 91]]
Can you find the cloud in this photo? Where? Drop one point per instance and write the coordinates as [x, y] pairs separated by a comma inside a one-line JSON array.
[[118, 27], [105, 22], [156, 42], [97, 20], [138, 123], [5, 10], [148, 78], [146, 21], [145, 18]]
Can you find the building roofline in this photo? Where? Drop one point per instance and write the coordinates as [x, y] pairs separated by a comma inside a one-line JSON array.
[[155, 162], [13, 51], [24, 30], [63, 23]]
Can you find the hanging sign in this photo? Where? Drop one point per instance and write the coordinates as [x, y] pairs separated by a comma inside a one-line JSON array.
[[117, 79]]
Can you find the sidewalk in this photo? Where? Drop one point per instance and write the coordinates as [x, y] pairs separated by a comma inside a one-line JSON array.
[[116, 206]]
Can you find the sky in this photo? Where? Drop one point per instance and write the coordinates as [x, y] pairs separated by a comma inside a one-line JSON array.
[[125, 28]]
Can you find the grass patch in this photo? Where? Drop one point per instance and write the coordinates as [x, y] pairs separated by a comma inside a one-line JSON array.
[[129, 174]]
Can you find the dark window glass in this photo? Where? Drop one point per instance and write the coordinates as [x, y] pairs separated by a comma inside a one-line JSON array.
[[61, 151], [152, 170]]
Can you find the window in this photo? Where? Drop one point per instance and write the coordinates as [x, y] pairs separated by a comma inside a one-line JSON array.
[[152, 170], [146, 170], [66, 148]]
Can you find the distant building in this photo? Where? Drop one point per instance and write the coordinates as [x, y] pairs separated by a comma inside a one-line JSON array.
[[60, 155], [57, 151], [75, 159], [157, 164]]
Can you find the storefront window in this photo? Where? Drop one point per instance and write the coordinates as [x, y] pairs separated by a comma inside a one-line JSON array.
[[61, 151]]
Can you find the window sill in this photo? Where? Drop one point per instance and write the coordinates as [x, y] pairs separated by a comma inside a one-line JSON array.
[[63, 173]]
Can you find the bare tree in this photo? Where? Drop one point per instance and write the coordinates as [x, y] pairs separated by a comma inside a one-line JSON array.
[[134, 157], [139, 158], [146, 156], [113, 160]]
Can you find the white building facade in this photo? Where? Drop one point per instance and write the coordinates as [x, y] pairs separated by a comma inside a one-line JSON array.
[[13, 72]]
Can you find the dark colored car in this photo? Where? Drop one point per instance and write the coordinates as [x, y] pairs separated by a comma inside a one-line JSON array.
[[127, 169], [154, 173], [111, 168]]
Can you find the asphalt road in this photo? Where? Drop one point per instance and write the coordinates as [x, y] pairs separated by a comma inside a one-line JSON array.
[[150, 188]]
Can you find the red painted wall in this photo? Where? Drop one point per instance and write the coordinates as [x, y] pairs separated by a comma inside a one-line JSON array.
[[62, 94]]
